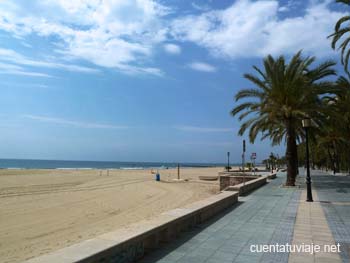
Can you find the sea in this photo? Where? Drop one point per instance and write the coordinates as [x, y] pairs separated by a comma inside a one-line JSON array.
[[64, 164]]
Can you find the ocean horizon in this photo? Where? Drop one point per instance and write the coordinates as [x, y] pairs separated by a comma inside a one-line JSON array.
[[73, 164]]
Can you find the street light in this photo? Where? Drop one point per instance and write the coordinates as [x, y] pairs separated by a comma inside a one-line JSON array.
[[228, 161], [307, 124]]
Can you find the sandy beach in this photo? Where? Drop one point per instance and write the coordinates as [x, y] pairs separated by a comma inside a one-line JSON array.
[[44, 210]]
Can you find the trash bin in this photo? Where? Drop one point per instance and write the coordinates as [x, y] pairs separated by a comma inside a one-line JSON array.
[[157, 177]]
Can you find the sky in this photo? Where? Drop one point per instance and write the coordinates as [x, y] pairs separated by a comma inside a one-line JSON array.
[[143, 80]]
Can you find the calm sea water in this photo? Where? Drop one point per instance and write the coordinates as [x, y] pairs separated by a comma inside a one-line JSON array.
[[59, 164]]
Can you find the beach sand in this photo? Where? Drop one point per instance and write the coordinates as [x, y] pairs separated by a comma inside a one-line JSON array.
[[44, 210]]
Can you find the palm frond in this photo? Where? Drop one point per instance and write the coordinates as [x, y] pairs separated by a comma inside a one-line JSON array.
[[337, 35], [347, 2], [247, 124], [340, 21], [243, 106], [345, 62], [252, 93], [258, 82]]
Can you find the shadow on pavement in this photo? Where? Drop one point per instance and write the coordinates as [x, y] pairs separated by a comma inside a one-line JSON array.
[[166, 248]]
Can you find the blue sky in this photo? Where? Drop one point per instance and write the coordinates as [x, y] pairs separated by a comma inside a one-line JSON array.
[[142, 80]]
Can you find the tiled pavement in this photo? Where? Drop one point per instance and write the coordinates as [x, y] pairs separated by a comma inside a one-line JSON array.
[[334, 195], [311, 227], [266, 216]]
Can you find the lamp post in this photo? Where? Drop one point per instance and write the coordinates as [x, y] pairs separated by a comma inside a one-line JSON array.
[[228, 161], [243, 161], [307, 124]]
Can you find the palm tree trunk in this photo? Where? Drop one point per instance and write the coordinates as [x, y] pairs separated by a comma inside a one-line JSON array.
[[336, 158], [291, 154], [348, 162], [331, 159], [297, 159], [313, 157]]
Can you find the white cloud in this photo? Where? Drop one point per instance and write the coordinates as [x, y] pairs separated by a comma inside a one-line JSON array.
[[202, 129], [78, 124], [10, 69], [109, 33], [25, 44], [27, 85], [24, 84], [200, 7], [201, 66], [7, 66], [172, 49], [283, 9], [123, 34], [253, 29], [291, 4], [25, 73], [14, 57]]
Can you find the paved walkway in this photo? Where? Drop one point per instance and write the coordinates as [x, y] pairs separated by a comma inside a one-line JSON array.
[[334, 195], [265, 216], [311, 227], [270, 215]]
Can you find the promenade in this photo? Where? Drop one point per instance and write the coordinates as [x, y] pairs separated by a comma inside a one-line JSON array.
[[334, 196], [268, 216]]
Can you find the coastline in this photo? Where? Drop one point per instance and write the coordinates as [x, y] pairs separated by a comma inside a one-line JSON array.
[[104, 165]]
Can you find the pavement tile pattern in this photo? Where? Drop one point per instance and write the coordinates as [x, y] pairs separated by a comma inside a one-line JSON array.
[[311, 227], [265, 216], [334, 195]]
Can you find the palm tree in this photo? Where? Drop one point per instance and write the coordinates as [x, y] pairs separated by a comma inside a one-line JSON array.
[[330, 140], [272, 159], [342, 31], [331, 143], [283, 96], [340, 110], [343, 99]]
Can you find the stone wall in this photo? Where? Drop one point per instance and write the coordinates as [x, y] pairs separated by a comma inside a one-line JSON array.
[[129, 245], [226, 180], [251, 185]]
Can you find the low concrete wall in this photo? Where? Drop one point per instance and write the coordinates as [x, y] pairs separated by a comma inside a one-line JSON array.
[[130, 244], [208, 177], [272, 176], [230, 180], [249, 186], [240, 172], [236, 173]]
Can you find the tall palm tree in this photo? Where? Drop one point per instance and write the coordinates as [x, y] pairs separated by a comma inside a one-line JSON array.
[[342, 31], [283, 96], [332, 142], [341, 116], [343, 98]]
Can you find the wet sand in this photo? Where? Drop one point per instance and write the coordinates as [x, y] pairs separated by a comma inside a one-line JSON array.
[[44, 210]]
